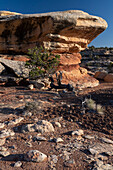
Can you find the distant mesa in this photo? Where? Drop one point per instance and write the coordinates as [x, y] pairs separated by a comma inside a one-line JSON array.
[[65, 33]]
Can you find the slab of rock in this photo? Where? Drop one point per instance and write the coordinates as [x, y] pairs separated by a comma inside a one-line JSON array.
[[101, 148], [16, 67], [106, 140], [99, 165], [35, 156]]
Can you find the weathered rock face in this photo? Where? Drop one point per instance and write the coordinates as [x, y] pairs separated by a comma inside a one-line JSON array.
[[65, 33]]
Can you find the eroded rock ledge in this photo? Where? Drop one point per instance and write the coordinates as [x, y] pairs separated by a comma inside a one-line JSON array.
[[65, 33]]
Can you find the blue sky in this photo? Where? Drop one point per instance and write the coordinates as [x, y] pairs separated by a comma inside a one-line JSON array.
[[102, 8]]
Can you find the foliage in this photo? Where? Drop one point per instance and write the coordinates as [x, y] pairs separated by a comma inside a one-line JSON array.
[[33, 107], [41, 62], [91, 104]]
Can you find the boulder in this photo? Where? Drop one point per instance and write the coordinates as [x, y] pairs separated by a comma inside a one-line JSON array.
[[100, 75], [65, 33], [35, 156], [109, 78]]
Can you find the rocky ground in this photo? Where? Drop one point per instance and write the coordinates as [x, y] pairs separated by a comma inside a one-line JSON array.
[[52, 130]]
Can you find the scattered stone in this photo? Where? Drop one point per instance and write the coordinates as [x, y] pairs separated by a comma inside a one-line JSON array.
[[89, 137], [99, 165], [2, 148], [31, 86], [29, 144], [65, 155], [1, 125], [18, 164], [56, 124], [70, 163], [15, 121], [6, 133], [1, 68], [78, 132], [93, 151], [30, 137], [54, 158], [57, 119], [35, 156], [102, 157], [4, 153], [2, 141], [57, 140], [26, 113], [44, 126], [39, 138], [13, 147], [28, 128], [37, 84], [106, 167]]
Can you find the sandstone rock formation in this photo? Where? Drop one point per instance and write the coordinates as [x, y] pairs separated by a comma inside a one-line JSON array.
[[65, 33]]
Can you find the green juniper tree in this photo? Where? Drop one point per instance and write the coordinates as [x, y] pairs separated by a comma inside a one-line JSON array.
[[42, 63]]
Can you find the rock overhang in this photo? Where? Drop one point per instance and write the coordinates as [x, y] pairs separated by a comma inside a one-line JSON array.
[[67, 31]]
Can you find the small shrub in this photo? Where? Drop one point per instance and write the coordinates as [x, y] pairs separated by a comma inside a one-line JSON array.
[[91, 104], [41, 62], [33, 107], [110, 66], [100, 110]]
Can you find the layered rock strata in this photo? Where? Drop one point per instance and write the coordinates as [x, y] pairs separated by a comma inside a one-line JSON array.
[[65, 33]]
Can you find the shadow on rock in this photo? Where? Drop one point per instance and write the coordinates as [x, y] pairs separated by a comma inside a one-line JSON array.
[[13, 157]]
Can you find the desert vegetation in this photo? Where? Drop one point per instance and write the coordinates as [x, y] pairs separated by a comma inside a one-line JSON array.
[[42, 63]]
